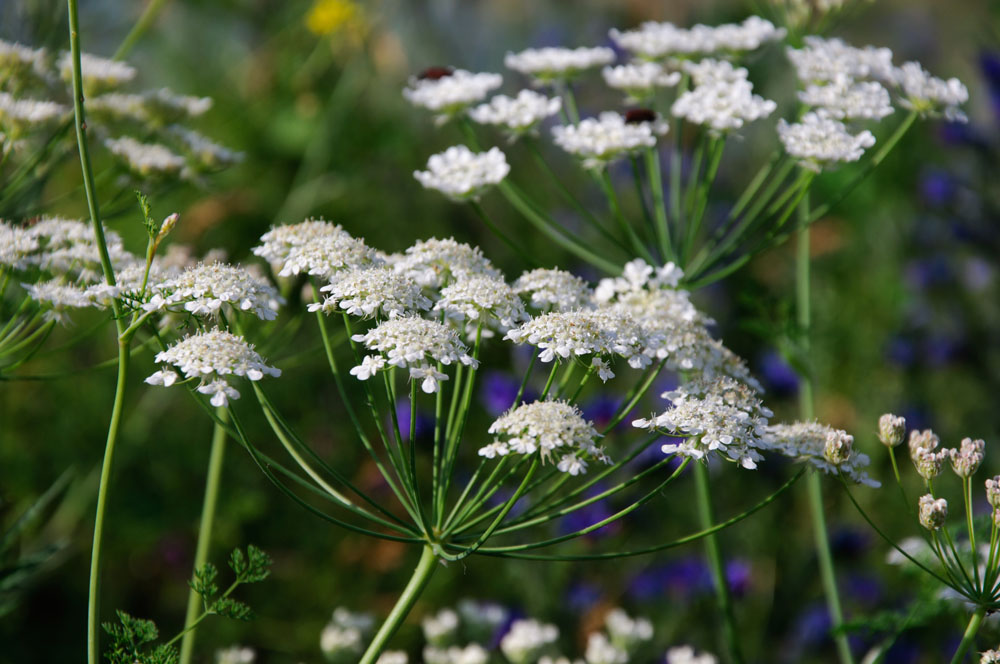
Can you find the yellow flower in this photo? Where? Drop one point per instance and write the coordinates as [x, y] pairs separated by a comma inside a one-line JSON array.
[[326, 17]]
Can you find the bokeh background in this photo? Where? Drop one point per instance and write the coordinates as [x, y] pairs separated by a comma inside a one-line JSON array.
[[907, 319]]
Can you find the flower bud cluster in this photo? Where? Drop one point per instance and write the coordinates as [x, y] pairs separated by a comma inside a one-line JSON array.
[[933, 512], [891, 430]]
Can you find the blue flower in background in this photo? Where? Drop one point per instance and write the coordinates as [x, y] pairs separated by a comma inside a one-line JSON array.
[[989, 65], [738, 576], [498, 392], [866, 589], [589, 515], [425, 422], [901, 351], [848, 542], [778, 375], [928, 272], [937, 187], [580, 596], [601, 409], [684, 578]]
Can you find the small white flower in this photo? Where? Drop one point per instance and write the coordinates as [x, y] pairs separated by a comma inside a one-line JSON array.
[[22, 114], [203, 289], [164, 377], [932, 512], [822, 60], [235, 655], [546, 65], [519, 114], [819, 141], [722, 98], [687, 655], [807, 441], [546, 426], [526, 640], [448, 92], [461, 174], [436, 263], [441, 627], [482, 300], [654, 40], [601, 651], [97, 72], [929, 95], [843, 98], [639, 80], [602, 368], [370, 365], [146, 159], [610, 136], [221, 392], [368, 291], [555, 290]]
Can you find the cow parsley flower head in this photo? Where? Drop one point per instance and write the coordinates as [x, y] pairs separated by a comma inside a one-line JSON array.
[[555, 429], [58, 299], [435, 263], [449, 92], [600, 650], [206, 152], [722, 99], [235, 655], [146, 159], [627, 632], [98, 73], [639, 80], [412, 343], [846, 99], [214, 358], [372, 290], [17, 246], [518, 115], [295, 248], [527, 640], [481, 619], [567, 334], [823, 60], [808, 441], [461, 174], [721, 415], [891, 430], [19, 115], [473, 653], [599, 141], [482, 300], [655, 41], [819, 141], [993, 491], [687, 655], [441, 628], [343, 639], [393, 657], [206, 287], [965, 460], [928, 95], [18, 62], [932, 512], [551, 64], [989, 657], [554, 290]]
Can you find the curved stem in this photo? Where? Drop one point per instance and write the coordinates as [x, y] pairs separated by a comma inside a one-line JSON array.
[[716, 565], [970, 635], [205, 528], [139, 29], [421, 575]]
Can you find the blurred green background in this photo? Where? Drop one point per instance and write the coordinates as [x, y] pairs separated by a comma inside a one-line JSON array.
[[907, 313]]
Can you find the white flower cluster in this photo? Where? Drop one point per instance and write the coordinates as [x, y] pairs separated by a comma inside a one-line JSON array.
[[639, 80], [98, 73], [146, 159], [370, 291], [932, 512], [213, 357], [600, 650], [819, 141], [206, 287], [343, 639], [448, 92], [827, 60], [461, 174], [480, 618], [153, 107], [436, 263], [547, 427], [470, 654], [654, 40], [235, 655], [722, 98], [722, 415], [550, 64], [313, 246], [688, 655], [19, 114], [393, 657], [440, 628], [207, 152], [989, 657], [929, 95], [520, 114], [844, 98], [555, 290], [19, 61], [482, 300], [807, 441], [626, 632], [412, 343], [599, 141], [527, 640], [17, 245]]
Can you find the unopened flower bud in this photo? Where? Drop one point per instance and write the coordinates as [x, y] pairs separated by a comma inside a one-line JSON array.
[[923, 440], [928, 463], [990, 657], [965, 460], [932, 512], [838, 447], [167, 226], [996, 517], [891, 429], [993, 491]]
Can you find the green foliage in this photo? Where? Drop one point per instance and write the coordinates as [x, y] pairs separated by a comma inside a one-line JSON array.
[[203, 582], [152, 228], [250, 568], [131, 642]]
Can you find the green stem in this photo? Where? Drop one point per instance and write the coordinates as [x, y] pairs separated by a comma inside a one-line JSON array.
[[421, 575], [722, 596], [653, 172], [205, 529], [513, 246], [813, 482], [614, 205], [970, 635], [139, 29]]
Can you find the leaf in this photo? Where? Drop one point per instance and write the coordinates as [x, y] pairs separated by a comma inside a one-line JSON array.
[[152, 228], [203, 582], [231, 608]]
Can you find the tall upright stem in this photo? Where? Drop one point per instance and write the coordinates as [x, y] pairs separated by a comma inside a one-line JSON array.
[[421, 575], [205, 529], [970, 635], [813, 482], [716, 565]]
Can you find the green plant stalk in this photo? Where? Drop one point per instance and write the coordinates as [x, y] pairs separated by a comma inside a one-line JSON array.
[[813, 482], [421, 575], [149, 15], [655, 176], [209, 503], [716, 147], [506, 239], [640, 193], [716, 565], [615, 207], [970, 635]]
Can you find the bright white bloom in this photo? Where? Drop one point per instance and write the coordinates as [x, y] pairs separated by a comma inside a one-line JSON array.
[[608, 137], [822, 60], [449, 92], [482, 300], [527, 640], [461, 174], [415, 344], [470, 654], [67, 247], [722, 415], [204, 288], [932, 512], [314, 246], [807, 441], [601, 651], [235, 655], [97, 72], [722, 98], [435, 263], [369, 291], [639, 80], [213, 357], [989, 657], [546, 65], [393, 657], [654, 40], [555, 290], [16, 246], [146, 159], [519, 114], [277, 242], [638, 276], [819, 141], [584, 332], [21, 114], [891, 429], [549, 427], [440, 628], [59, 298], [965, 460], [687, 655], [626, 632], [929, 95], [845, 99]]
